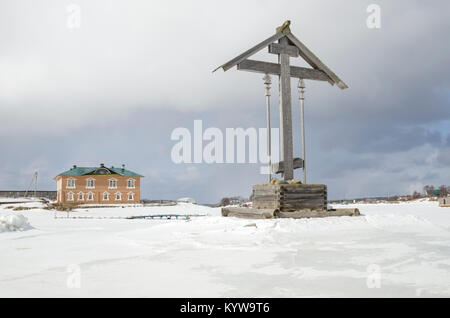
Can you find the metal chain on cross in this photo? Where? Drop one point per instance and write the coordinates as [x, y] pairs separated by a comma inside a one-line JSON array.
[[301, 94], [267, 82]]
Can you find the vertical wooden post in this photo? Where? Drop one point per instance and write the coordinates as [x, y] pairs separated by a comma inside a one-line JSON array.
[[286, 144], [267, 82]]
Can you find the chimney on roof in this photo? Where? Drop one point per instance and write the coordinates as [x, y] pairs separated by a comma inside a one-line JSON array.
[[123, 167], [102, 165], [74, 166]]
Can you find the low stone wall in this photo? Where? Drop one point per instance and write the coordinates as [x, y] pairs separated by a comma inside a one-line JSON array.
[[20, 194]]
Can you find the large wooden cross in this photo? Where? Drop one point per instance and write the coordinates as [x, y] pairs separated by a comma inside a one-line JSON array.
[[287, 46]]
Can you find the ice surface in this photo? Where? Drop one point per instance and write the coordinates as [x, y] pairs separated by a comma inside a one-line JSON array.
[[404, 249]]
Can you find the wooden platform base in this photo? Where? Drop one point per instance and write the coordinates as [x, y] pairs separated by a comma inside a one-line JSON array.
[[252, 213], [290, 197], [249, 213]]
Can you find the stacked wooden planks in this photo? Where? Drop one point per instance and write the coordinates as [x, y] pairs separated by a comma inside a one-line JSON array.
[[251, 213], [266, 196], [317, 214], [248, 213], [290, 197]]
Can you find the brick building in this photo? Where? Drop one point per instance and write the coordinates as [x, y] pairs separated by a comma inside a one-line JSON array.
[[98, 185]]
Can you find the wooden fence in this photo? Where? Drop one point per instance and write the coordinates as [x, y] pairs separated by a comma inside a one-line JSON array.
[[20, 194]]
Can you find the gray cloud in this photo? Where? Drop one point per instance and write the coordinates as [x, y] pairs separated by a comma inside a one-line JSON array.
[[113, 90]]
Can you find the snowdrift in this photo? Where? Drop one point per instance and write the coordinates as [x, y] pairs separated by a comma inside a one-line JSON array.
[[13, 222]]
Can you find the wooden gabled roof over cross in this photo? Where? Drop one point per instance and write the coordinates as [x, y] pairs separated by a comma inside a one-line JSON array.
[[294, 48], [286, 45]]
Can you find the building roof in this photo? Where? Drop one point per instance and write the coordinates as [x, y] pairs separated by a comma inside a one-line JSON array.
[[102, 170]]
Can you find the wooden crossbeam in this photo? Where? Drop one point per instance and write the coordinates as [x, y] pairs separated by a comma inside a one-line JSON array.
[[278, 167], [276, 48], [275, 69], [303, 51], [250, 52]]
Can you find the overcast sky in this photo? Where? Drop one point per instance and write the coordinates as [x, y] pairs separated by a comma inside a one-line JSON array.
[[112, 91]]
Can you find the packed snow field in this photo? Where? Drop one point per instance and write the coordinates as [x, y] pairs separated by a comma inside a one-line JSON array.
[[392, 250]]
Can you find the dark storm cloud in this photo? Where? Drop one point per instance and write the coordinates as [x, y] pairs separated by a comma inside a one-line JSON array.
[[113, 90]]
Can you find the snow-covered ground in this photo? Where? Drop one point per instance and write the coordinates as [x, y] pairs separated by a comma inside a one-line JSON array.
[[392, 250]]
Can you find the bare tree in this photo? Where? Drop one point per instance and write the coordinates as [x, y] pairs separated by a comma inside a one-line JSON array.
[[416, 195], [428, 189], [443, 190], [225, 202]]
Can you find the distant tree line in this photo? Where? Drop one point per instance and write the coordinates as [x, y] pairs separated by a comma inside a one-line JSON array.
[[431, 191], [428, 191]]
